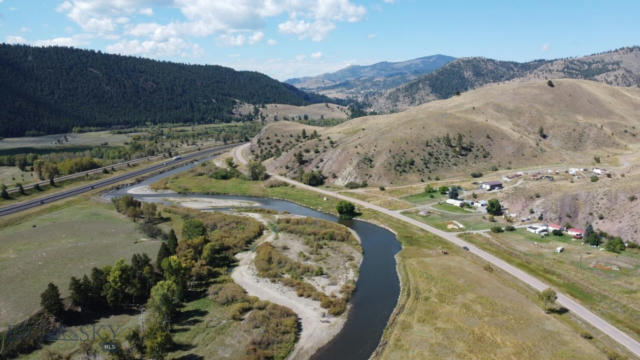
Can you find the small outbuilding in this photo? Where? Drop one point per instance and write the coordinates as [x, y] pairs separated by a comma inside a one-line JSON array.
[[492, 185]]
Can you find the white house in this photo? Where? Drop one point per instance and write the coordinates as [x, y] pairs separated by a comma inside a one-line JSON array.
[[537, 229], [599, 171], [455, 202]]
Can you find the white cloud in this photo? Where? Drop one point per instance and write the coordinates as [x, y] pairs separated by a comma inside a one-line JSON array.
[[77, 40], [169, 47], [316, 30], [15, 39], [59, 41], [316, 55], [545, 47], [234, 23], [389, 1], [371, 36], [242, 39]]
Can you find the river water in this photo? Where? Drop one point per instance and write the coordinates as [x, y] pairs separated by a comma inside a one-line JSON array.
[[377, 288]]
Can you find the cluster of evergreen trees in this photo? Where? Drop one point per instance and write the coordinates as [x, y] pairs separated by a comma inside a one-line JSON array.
[[54, 89]]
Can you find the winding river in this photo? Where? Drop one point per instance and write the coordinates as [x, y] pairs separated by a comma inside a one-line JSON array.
[[377, 288]]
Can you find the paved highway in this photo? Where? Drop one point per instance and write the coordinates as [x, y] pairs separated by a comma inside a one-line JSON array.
[[15, 208]]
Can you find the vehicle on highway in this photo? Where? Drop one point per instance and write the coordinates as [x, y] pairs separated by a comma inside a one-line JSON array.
[[466, 248], [177, 158]]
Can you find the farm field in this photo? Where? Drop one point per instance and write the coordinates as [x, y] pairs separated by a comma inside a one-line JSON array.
[[608, 283], [55, 244]]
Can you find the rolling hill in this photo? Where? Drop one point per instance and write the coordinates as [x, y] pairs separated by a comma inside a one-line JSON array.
[[54, 89], [508, 125], [619, 67], [358, 81]]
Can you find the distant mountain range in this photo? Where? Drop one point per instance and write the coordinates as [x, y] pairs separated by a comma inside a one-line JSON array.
[[619, 68], [358, 81], [54, 89]]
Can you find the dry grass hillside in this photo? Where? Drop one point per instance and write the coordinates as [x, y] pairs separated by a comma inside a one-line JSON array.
[[497, 126], [619, 67], [275, 112]]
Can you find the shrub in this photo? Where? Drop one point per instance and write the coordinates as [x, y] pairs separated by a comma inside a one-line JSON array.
[[510, 228], [193, 228], [550, 83], [548, 298], [633, 198], [594, 178], [257, 171], [227, 293], [276, 183], [313, 178], [557, 232], [497, 229], [382, 188], [238, 310], [586, 335], [151, 230], [615, 245], [346, 210], [219, 173], [476, 174]]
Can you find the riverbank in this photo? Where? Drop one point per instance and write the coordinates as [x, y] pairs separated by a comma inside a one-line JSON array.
[[317, 329]]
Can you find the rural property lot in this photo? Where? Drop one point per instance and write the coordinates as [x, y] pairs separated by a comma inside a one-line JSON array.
[[54, 245]]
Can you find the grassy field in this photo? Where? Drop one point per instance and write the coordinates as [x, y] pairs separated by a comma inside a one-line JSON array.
[[10, 175], [452, 208], [453, 307], [583, 272], [380, 199], [57, 141], [450, 305], [53, 245], [423, 198], [440, 220]]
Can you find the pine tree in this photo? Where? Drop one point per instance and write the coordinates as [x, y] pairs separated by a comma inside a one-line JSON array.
[[163, 253], [172, 242], [50, 300]]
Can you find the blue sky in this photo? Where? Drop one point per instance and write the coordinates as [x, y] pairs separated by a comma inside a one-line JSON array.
[[289, 38]]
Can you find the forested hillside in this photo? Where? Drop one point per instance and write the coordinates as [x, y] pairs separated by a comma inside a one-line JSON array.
[[54, 89]]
